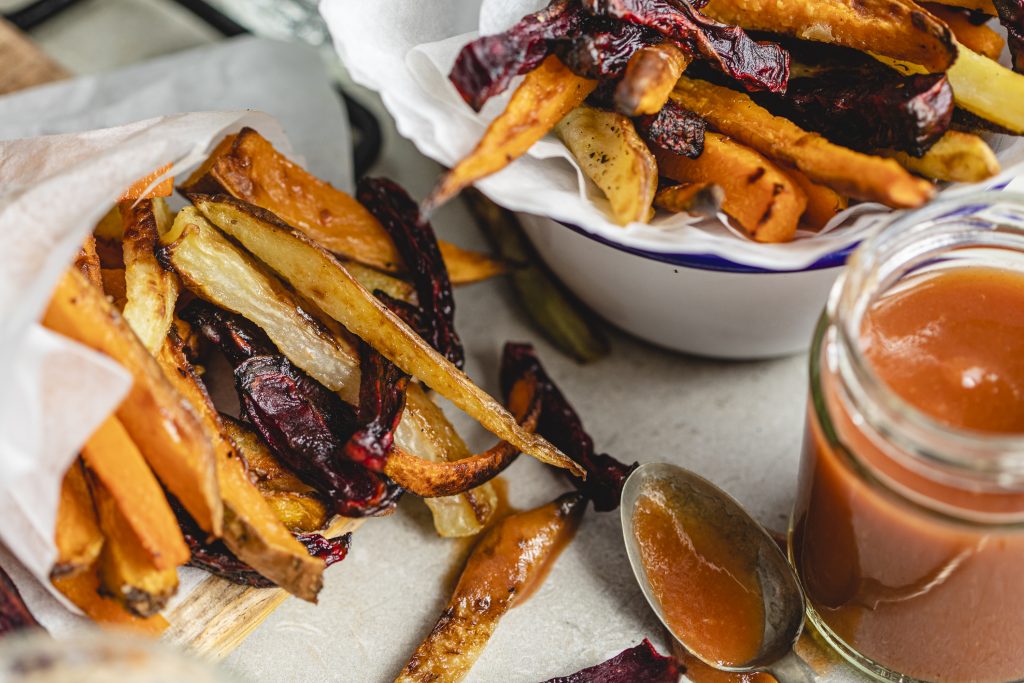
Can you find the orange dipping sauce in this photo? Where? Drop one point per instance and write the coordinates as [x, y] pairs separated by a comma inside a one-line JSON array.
[[710, 595], [924, 595]]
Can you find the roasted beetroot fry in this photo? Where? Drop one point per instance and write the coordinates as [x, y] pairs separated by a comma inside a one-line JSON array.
[[486, 66], [639, 663], [756, 65], [235, 336], [604, 47], [560, 424], [381, 402], [1011, 16], [14, 614], [416, 242], [674, 128]]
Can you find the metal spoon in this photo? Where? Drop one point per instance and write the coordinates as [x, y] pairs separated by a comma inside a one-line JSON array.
[[780, 589]]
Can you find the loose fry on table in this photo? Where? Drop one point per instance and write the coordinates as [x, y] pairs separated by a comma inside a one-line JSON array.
[[88, 261], [897, 28], [545, 95], [765, 201], [163, 427], [650, 75], [504, 568], [850, 173], [77, 536], [823, 203], [150, 291], [319, 277], [247, 166], [977, 37], [83, 591], [252, 531], [116, 463], [611, 154], [957, 157]]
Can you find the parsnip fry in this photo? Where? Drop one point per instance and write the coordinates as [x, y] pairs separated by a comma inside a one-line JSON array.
[[78, 537], [898, 28], [977, 37], [374, 280], [545, 95], [150, 291], [247, 166], [758, 194], [957, 157], [114, 460], [650, 75], [83, 591], [504, 566], [823, 203], [319, 277], [611, 154], [165, 430], [850, 173]]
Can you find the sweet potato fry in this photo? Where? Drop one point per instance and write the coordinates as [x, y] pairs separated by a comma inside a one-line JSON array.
[[116, 463], [758, 194], [957, 157], [650, 75], [83, 591], [977, 37], [165, 430], [114, 286], [78, 537], [502, 570], [88, 261], [984, 6], [144, 187], [545, 95], [850, 173], [319, 277], [823, 203], [247, 166], [681, 197], [896, 28], [611, 154], [150, 291], [252, 531]]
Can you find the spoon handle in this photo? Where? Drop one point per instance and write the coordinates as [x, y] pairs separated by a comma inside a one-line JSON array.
[[792, 669]]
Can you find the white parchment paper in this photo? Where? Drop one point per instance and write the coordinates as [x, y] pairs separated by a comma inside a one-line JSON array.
[[404, 51]]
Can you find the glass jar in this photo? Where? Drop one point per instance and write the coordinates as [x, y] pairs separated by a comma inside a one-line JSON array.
[[907, 533]]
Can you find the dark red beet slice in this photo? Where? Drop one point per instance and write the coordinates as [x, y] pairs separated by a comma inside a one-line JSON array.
[[639, 663], [14, 613], [1011, 16], [381, 403], [236, 337], [674, 128], [560, 425], [604, 47]]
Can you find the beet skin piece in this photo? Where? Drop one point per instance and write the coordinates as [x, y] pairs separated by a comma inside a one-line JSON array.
[[639, 663], [560, 425], [603, 47], [237, 338], [382, 388], [674, 128], [1011, 16], [14, 614]]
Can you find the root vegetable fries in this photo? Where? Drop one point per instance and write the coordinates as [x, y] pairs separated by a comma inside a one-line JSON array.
[[83, 591], [850, 173], [765, 201], [545, 95], [823, 203], [985, 6], [116, 463], [957, 157], [897, 28], [650, 75], [611, 154], [161, 425], [679, 198], [977, 37], [77, 536], [252, 531], [319, 277], [114, 286], [88, 261], [150, 291], [147, 186], [247, 166], [504, 568]]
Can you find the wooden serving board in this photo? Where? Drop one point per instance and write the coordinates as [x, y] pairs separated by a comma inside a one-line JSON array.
[[218, 614]]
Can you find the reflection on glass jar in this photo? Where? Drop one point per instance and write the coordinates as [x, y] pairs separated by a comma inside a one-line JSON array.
[[908, 531]]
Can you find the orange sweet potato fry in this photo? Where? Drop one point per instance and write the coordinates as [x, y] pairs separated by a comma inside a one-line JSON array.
[[978, 37], [78, 537], [141, 189], [83, 591]]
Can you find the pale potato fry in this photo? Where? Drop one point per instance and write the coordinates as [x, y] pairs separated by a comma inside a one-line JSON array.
[[823, 203], [650, 75], [83, 591], [758, 194], [374, 280], [850, 173], [545, 95], [508, 563], [116, 463], [957, 157], [611, 153], [319, 277], [78, 537], [897, 28], [977, 37], [150, 291], [164, 428]]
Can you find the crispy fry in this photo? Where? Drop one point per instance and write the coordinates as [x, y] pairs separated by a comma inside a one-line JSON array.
[[650, 75], [88, 261], [318, 276], [77, 536], [166, 431], [143, 188], [247, 167], [957, 157], [611, 154], [252, 531], [116, 463], [850, 173], [823, 203], [150, 291], [83, 590], [897, 28], [504, 567], [545, 95], [114, 286], [758, 194], [977, 37], [680, 198]]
